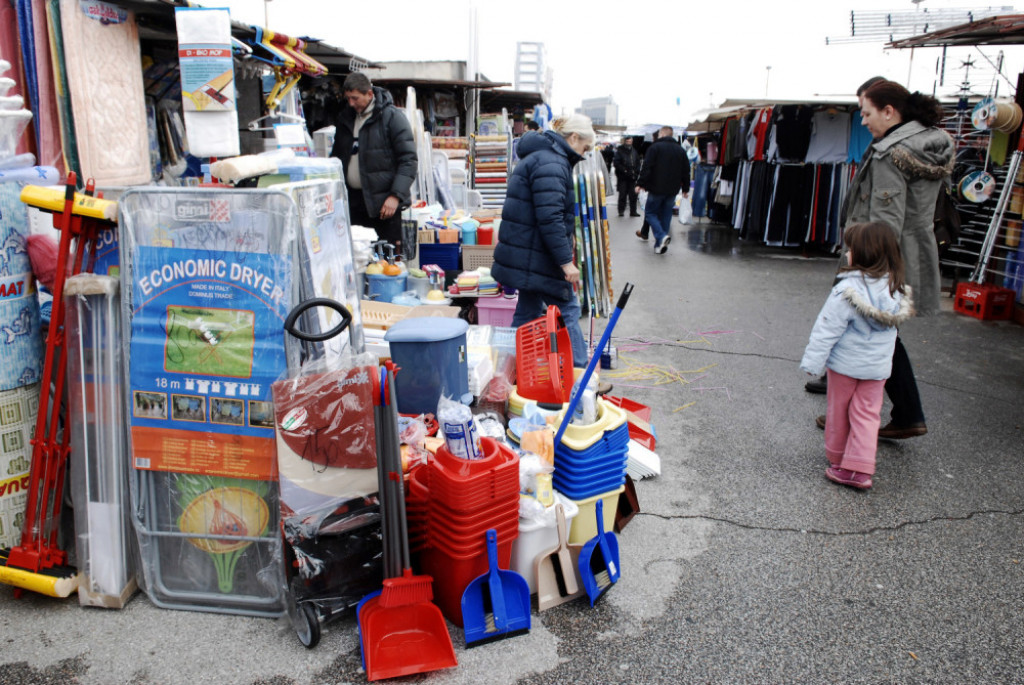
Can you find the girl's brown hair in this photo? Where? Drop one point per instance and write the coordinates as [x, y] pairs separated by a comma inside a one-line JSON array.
[[876, 253]]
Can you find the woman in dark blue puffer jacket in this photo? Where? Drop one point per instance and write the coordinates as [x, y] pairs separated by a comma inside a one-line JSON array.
[[535, 242]]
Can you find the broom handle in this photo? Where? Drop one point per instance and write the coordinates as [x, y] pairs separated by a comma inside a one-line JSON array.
[[395, 469], [378, 422], [594, 360]]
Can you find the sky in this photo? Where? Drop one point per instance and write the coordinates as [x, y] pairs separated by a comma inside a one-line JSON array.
[[647, 54]]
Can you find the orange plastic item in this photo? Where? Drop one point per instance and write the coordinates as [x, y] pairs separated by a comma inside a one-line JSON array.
[[544, 359]]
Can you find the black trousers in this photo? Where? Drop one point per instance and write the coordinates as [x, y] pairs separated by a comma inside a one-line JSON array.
[[787, 221], [627, 190], [759, 195], [902, 389], [387, 229]]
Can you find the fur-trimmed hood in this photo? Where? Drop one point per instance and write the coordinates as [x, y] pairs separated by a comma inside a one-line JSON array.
[[871, 299], [919, 151]]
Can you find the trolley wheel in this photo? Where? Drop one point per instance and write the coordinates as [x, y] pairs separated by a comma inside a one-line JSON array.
[[306, 624]]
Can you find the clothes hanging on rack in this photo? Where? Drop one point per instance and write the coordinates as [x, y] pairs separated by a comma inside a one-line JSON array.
[[733, 140], [740, 195], [860, 138], [757, 135], [791, 205], [830, 137], [792, 132], [824, 218], [701, 187], [726, 184], [759, 195]]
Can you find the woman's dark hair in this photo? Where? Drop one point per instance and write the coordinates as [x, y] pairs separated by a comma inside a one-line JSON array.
[[912, 106], [876, 253], [867, 84]]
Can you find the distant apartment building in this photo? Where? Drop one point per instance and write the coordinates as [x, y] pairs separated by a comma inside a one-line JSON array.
[[601, 111], [532, 72]]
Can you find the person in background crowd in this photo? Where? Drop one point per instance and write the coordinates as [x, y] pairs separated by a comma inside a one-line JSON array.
[[665, 172], [608, 155], [820, 385], [645, 227], [535, 241], [898, 183], [529, 127], [378, 153], [627, 171], [854, 337]]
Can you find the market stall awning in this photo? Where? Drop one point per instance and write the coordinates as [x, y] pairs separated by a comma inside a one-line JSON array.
[[383, 80], [703, 126], [493, 99], [711, 119], [1007, 29]]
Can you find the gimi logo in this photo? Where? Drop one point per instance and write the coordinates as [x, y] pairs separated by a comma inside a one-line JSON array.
[[359, 378], [324, 205], [319, 205], [202, 210]]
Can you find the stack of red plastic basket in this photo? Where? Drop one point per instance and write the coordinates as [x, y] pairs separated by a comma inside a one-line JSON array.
[[452, 503]]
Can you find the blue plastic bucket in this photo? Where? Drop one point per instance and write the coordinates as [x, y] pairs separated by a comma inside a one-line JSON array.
[[385, 288], [432, 354]]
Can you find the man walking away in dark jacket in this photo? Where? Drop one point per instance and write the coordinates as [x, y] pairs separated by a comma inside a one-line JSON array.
[[627, 170], [378, 153], [665, 172]]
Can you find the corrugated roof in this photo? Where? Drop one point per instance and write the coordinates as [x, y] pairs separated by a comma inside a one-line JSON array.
[[383, 80], [1006, 29]]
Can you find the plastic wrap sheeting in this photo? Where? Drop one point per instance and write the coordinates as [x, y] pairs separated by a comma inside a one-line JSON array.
[[328, 268], [99, 470], [208, 279]]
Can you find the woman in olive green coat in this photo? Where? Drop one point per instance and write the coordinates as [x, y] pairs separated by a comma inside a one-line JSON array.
[[900, 178]]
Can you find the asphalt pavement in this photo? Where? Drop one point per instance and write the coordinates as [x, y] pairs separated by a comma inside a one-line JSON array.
[[745, 564]]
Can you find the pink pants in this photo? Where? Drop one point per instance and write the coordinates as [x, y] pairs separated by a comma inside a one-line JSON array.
[[851, 422]]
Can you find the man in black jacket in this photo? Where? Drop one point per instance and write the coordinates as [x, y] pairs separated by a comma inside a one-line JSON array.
[[375, 144], [665, 172], [627, 169]]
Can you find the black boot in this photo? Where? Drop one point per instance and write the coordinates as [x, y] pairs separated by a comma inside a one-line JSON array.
[[819, 386]]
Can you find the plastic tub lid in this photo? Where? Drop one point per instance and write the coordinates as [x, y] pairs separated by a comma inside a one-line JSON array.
[[426, 329]]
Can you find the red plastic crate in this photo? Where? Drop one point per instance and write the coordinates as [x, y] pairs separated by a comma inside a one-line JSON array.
[[642, 411], [985, 301], [453, 572]]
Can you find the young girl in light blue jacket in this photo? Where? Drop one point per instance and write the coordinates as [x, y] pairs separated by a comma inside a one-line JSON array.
[[853, 337]]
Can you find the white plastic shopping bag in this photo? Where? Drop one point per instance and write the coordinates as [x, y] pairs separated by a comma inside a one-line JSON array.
[[685, 210]]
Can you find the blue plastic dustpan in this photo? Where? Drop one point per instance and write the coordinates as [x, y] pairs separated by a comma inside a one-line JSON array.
[[495, 605], [359, 623], [599, 559]]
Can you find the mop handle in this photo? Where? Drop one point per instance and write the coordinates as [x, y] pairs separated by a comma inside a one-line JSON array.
[[594, 360]]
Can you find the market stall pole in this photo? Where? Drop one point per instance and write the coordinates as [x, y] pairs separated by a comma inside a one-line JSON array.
[[38, 564]]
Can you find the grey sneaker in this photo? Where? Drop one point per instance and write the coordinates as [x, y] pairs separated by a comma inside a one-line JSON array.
[[661, 247]]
